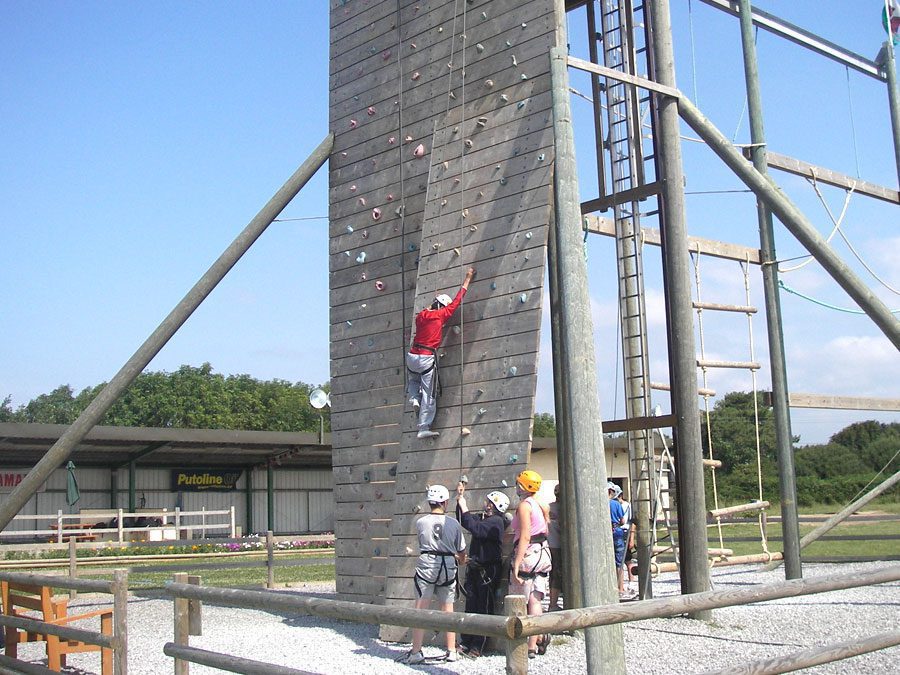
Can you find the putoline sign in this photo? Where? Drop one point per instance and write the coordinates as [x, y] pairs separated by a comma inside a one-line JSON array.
[[200, 480]]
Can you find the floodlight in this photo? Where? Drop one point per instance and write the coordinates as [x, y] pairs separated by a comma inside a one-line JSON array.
[[318, 399]]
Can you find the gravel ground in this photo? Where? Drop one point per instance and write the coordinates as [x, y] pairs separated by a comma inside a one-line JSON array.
[[735, 635]]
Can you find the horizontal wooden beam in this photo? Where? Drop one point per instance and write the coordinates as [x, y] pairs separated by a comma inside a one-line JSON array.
[[806, 170], [635, 194], [638, 424], [843, 402], [612, 74], [717, 249]]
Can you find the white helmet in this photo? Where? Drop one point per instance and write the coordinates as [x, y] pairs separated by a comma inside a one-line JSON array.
[[438, 494], [616, 490], [499, 500], [443, 299]]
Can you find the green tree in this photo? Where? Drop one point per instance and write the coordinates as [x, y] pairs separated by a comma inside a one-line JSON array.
[[57, 407], [861, 434], [733, 428], [544, 426], [6, 411]]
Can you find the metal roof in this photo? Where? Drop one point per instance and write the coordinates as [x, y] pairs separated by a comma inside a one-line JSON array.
[[25, 444]]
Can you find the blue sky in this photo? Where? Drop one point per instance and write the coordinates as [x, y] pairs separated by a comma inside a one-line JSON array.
[[137, 139]]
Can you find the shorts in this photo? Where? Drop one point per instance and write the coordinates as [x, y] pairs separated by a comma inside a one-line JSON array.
[[619, 545], [537, 585], [443, 594], [537, 561]]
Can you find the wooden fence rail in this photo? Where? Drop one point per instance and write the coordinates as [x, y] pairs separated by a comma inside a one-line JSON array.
[[514, 629]]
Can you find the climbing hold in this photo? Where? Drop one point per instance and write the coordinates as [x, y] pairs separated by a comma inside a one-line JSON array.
[[481, 411], [508, 43], [484, 15], [362, 201], [468, 143], [443, 202], [352, 188], [479, 392], [513, 459], [473, 228], [504, 483], [408, 139], [361, 258], [465, 213], [412, 247], [541, 157], [513, 370], [504, 98], [347, 253], [496, 167], [370, 110], [386, 54], [502, 181], [523, 76], [389, 197], [524, 24], [466, 431], [514, 61], [520, 105], [379, 285], [412, 45], [399, 211], [363, 276], [492, 248], [488, 83], [391, 140], [528, 235], [365, 234], [435, 246], [363, 306], [479, 48], [456, 251], [493, 286], [482, 452], [456, 181], [482, 121], [481, 193], [353, 124], [419, 151], [452, 95], [523, 298], [415, 75], [455, 130], [376, 213], [371, 342], [350, 229], [343, 154], [457, 330]]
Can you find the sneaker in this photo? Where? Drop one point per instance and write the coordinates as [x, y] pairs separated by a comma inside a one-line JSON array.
[[413, 659], [427, 433], [451, 656]]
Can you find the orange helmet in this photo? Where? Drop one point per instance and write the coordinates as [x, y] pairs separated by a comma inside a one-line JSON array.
[[529, 480]]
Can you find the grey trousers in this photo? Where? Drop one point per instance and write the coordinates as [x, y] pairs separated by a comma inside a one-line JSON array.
[[421, 370]]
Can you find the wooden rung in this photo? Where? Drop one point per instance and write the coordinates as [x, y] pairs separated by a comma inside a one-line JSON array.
[[749, 365], [727, 552], [745, 309], [740, 508], [662, 386], [714, 463]]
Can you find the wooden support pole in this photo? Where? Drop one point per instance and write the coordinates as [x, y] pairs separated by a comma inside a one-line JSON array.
[[73, 565], [845, 513], [270, 559], [739, 508], [195, 609], [516, 648], [182, 625], [120, 621], [232, 664], [575, 619], [98, 407], [814, 656]]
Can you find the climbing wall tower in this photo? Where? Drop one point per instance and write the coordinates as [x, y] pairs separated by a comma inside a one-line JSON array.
[[443, 160]]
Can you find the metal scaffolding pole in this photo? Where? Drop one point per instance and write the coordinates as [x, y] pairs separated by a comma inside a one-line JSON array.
[[61, 450], [605, 649], [786, 476], [691, 495]]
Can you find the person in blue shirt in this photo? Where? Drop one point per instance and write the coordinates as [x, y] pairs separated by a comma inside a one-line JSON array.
[[617, 516]]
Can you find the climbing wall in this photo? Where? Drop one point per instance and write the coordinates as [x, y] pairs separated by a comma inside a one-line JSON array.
[[443, 160]]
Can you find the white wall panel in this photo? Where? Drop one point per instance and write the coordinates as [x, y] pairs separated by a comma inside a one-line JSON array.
[[321, 511]]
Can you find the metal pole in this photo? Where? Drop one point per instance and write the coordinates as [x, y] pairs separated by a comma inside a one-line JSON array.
[[692, 541], [605, 649], [784, 440], [61, 450], [132, 501], [270, 497], [249, 501], [890, 73], [794, 220]]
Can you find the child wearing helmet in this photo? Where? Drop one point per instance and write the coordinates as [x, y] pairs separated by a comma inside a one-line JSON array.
[[617, 516], [531, 562], [441, 547], [421, 360], [485, 558]]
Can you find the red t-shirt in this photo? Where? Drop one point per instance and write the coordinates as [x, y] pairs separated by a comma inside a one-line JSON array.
[[430, 325]]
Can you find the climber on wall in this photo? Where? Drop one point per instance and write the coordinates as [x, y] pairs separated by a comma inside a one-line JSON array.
[[421, 360]]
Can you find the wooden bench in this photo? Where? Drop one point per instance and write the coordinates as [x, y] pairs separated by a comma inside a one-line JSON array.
[[77, 536], [37, 603]]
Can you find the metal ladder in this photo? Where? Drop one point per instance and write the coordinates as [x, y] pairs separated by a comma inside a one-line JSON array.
[[624, 38]]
